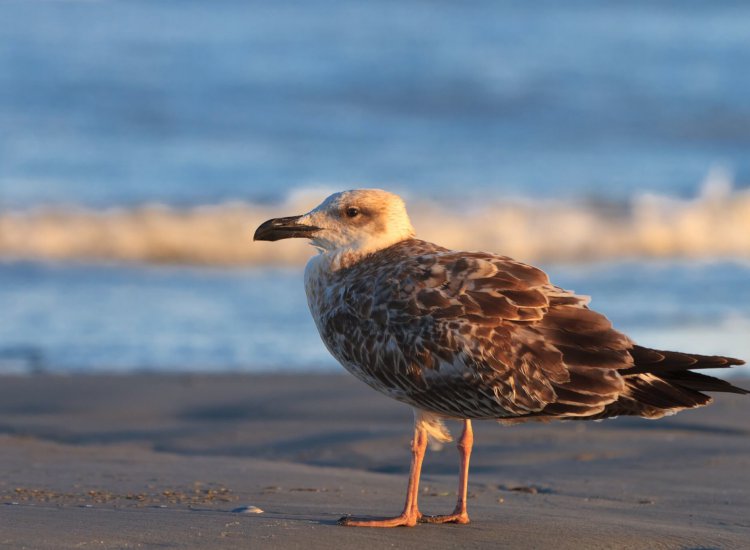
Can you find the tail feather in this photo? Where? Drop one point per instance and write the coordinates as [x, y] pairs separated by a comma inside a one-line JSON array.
[[701, 382], [662, 382], [654, 392], [659, 383], [657, 361]]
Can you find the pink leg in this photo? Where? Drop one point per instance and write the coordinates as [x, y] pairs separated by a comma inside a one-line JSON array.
[[410, 516], [459, 515]]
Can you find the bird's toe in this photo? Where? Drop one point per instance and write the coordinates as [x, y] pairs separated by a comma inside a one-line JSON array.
[[403, 520], [462, 518]]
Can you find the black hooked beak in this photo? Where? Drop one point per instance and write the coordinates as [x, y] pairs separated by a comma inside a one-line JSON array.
[[283, 228]]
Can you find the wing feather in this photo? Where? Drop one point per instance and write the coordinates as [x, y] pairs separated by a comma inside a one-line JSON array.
[[476, 335]]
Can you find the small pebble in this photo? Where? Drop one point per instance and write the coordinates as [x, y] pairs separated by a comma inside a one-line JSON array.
[[247, 510]]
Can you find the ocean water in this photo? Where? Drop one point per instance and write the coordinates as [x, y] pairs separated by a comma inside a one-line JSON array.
[[186, 102], [141, 142], [62, 317]]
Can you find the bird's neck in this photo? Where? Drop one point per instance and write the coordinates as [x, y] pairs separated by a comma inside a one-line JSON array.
[[343, 258], [334, 259]]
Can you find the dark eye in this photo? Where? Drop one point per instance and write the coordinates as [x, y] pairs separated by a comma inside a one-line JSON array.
[[352, 211]]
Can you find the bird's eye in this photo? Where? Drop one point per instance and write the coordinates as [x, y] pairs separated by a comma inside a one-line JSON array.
[[352, 211]]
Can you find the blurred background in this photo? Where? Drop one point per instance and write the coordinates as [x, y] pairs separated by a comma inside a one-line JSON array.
[[142, 142]]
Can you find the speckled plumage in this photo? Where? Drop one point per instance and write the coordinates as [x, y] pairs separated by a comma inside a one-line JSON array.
[[477, 335]]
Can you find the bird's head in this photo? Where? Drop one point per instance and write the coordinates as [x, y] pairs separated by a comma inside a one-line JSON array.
[[355, 223]]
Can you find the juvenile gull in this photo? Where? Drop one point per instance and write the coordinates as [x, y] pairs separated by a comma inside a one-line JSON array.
[[471, 335]]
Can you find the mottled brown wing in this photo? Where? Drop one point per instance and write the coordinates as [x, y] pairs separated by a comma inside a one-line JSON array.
[[510, 342], [475, 335]]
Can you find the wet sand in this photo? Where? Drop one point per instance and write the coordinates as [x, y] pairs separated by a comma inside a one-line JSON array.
[[163, 460]]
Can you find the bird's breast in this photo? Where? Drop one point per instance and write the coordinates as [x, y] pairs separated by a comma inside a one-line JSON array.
[[337, 307]]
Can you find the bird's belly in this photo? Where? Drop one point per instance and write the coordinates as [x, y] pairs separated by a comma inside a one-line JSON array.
[[365, 350], [445, 395]]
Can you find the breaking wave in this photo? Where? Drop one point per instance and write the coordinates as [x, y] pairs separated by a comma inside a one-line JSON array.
[[715, 224]]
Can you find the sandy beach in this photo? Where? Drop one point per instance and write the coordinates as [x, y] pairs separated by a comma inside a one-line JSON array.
[[163, 460]]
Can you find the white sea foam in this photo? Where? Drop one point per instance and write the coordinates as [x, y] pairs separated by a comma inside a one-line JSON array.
[[715, 224]]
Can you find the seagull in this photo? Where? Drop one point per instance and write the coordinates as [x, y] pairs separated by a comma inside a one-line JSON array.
[[471, 335]]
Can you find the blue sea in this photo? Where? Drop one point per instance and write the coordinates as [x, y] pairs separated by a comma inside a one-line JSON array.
[[115, 106], [73, 318]]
